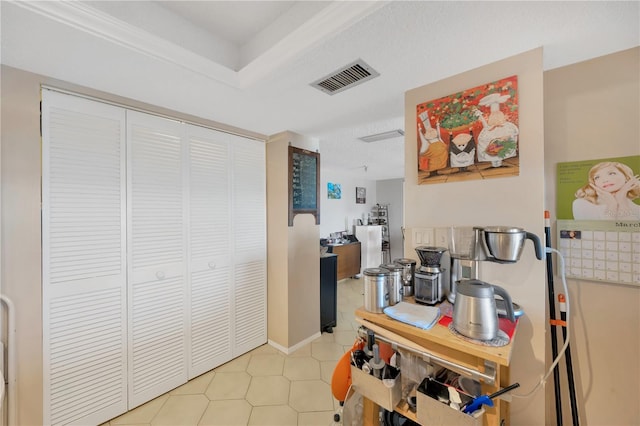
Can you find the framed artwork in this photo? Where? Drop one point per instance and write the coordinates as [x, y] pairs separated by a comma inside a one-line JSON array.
[[334, 191], [472, 134], [304, 183], [361, 195]]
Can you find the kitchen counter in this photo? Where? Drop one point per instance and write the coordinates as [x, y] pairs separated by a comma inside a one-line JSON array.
[[441, 343], [348, 259]]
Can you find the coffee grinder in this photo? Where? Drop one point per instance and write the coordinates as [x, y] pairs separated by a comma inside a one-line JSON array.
[[431, 278]]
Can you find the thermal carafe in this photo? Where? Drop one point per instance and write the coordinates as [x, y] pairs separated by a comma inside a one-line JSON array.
[[376, 289], [474, 313], [395, 282]]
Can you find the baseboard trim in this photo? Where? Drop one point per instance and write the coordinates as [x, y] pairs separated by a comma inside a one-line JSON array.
[[295, 347]]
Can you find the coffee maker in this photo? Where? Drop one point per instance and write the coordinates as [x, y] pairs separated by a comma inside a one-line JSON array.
[[431, 278]]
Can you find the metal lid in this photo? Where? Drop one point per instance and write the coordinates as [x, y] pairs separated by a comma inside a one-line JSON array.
[[392, 267], [475, 288], [376, 272], [405, 261], [503, 229]]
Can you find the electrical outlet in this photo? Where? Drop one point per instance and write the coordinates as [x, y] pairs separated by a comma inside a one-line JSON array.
[[442, 237]]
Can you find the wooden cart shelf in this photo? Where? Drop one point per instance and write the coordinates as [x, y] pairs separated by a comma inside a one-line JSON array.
[[443, 344]]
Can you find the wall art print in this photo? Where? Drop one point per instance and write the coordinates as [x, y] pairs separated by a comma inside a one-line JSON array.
[[472, 134], [601, 189], [334, 191], [361, 195]]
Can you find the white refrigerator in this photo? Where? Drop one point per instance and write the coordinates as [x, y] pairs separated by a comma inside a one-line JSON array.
[[370, 237]]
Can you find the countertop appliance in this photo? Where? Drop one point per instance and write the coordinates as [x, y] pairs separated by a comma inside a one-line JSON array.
[[475, 314], [431, 277]]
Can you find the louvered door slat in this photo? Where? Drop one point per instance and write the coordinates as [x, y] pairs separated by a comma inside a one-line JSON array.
[[249, 239], [83, 260], [250, 296], [249, 193], [209, 248], [157, 257]]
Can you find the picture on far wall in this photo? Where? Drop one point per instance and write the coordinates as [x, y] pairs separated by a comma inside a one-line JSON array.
[[469, 135], [334, 191], [361, 195]]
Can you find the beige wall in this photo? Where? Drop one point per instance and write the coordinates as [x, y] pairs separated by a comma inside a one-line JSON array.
[[514, 201], [21, 250], [592, 110], [277, 240], [293, 253], [304, 279]]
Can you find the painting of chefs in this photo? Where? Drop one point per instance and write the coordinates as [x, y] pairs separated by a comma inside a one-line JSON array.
[[472, 134]]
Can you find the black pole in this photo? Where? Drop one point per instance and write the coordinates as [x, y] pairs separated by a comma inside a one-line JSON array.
[[552, 317], [567, 356]]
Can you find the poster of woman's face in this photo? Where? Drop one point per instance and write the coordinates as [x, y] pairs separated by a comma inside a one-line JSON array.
[[603, 189]]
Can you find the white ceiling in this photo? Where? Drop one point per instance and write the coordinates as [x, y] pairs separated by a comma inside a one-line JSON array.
[[237, 21], [249, 63]]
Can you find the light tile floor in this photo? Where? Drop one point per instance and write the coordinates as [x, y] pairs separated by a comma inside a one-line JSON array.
[[264, 386]]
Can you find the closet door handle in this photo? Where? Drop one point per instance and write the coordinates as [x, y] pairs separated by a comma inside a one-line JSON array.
[[212, 265], [160, 275]]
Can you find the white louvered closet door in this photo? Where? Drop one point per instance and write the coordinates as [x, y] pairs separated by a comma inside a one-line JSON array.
[[209, 249], [249, 240], [156, 256], [83, 260]]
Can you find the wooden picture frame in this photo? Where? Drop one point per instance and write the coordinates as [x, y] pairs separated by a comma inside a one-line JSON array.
[[304, 183]]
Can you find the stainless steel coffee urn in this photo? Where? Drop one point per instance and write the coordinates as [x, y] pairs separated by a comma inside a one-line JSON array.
[[408, 273]]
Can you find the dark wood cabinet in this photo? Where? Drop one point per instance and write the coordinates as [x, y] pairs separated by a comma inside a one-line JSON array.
[[328, 292], [348, 259]]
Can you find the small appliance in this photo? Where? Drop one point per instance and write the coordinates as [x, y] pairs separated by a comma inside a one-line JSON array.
[[470, 245], [431, 278], [475, 314]]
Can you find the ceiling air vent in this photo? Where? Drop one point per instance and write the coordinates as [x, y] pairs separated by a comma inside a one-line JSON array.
[[382, 136], [351, 75]]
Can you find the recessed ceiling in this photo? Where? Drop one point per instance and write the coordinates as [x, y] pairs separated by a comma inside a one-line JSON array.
[[252, 69], [235, 21]]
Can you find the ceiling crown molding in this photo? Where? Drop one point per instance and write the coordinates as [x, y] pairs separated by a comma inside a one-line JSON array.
[[332, 19], [97, 23], [336, 17]]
